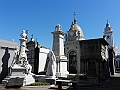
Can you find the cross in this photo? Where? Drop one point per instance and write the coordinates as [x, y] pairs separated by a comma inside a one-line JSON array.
[[74, 15], [107, 20]]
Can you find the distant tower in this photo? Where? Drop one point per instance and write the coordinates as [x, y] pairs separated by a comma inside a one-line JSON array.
[[108, 35], [58, 49]]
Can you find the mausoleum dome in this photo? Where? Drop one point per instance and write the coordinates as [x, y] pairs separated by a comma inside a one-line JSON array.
[[77, 28]]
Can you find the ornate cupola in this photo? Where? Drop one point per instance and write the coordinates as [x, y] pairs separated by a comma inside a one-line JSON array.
[[75, 32], [108, 35]]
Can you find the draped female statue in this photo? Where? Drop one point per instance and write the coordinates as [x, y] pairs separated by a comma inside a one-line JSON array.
[[51, 69]]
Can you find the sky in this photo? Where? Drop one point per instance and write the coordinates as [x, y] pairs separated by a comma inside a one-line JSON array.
[[41, 16]]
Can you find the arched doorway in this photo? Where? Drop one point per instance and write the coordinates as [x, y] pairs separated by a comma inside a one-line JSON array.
[[73, 62]]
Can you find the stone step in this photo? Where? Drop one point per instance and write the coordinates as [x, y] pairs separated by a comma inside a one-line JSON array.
[[63, 78], [7, 78], [4, 81]]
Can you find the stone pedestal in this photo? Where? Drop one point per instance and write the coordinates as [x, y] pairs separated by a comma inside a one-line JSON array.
[[15, 77], [62, 66], [18, 77]]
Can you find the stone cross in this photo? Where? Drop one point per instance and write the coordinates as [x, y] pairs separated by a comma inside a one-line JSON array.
[[74, 15]]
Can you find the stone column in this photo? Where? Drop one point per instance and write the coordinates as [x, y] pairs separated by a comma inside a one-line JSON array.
[[58, 49]]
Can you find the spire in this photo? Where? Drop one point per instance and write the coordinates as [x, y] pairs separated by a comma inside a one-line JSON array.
[[75, 21], [32, 38], [107, 24], [32, 35]]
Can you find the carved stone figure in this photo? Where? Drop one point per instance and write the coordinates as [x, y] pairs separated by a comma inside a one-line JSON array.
[[15, 58], [23, 34], [51, 70], [58, 27], [22, 53], [28, 68]]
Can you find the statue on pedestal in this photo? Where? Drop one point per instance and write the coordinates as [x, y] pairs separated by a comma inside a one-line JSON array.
[[20, 70]]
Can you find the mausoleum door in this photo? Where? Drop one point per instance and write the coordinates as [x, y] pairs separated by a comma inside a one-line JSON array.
[[72, 62], [92, 67]]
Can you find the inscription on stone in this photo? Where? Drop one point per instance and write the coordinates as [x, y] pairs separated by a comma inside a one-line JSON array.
[[15, 82]]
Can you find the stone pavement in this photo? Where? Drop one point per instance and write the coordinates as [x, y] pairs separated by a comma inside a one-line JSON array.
[[113, 83]]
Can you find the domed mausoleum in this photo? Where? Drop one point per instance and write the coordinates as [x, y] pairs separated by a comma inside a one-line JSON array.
[[75, 32], [72, 47]]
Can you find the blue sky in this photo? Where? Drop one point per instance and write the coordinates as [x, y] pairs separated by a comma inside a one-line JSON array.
[[41, 16]]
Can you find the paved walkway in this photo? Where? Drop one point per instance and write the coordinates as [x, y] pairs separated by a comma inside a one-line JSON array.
[[113, 83]]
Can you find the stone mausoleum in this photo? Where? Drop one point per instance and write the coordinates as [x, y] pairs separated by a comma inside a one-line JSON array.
[[72, 47], [94, 61], [88, 57]]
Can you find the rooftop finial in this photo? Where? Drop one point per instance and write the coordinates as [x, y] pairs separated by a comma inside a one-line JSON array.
[[32, 39], [107, 20], [23, 34], [74, 15], [32, 35], [75, 18], [107, 25]]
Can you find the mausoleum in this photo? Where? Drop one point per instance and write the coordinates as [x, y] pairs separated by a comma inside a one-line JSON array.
[[72, 46], [7, 49]]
